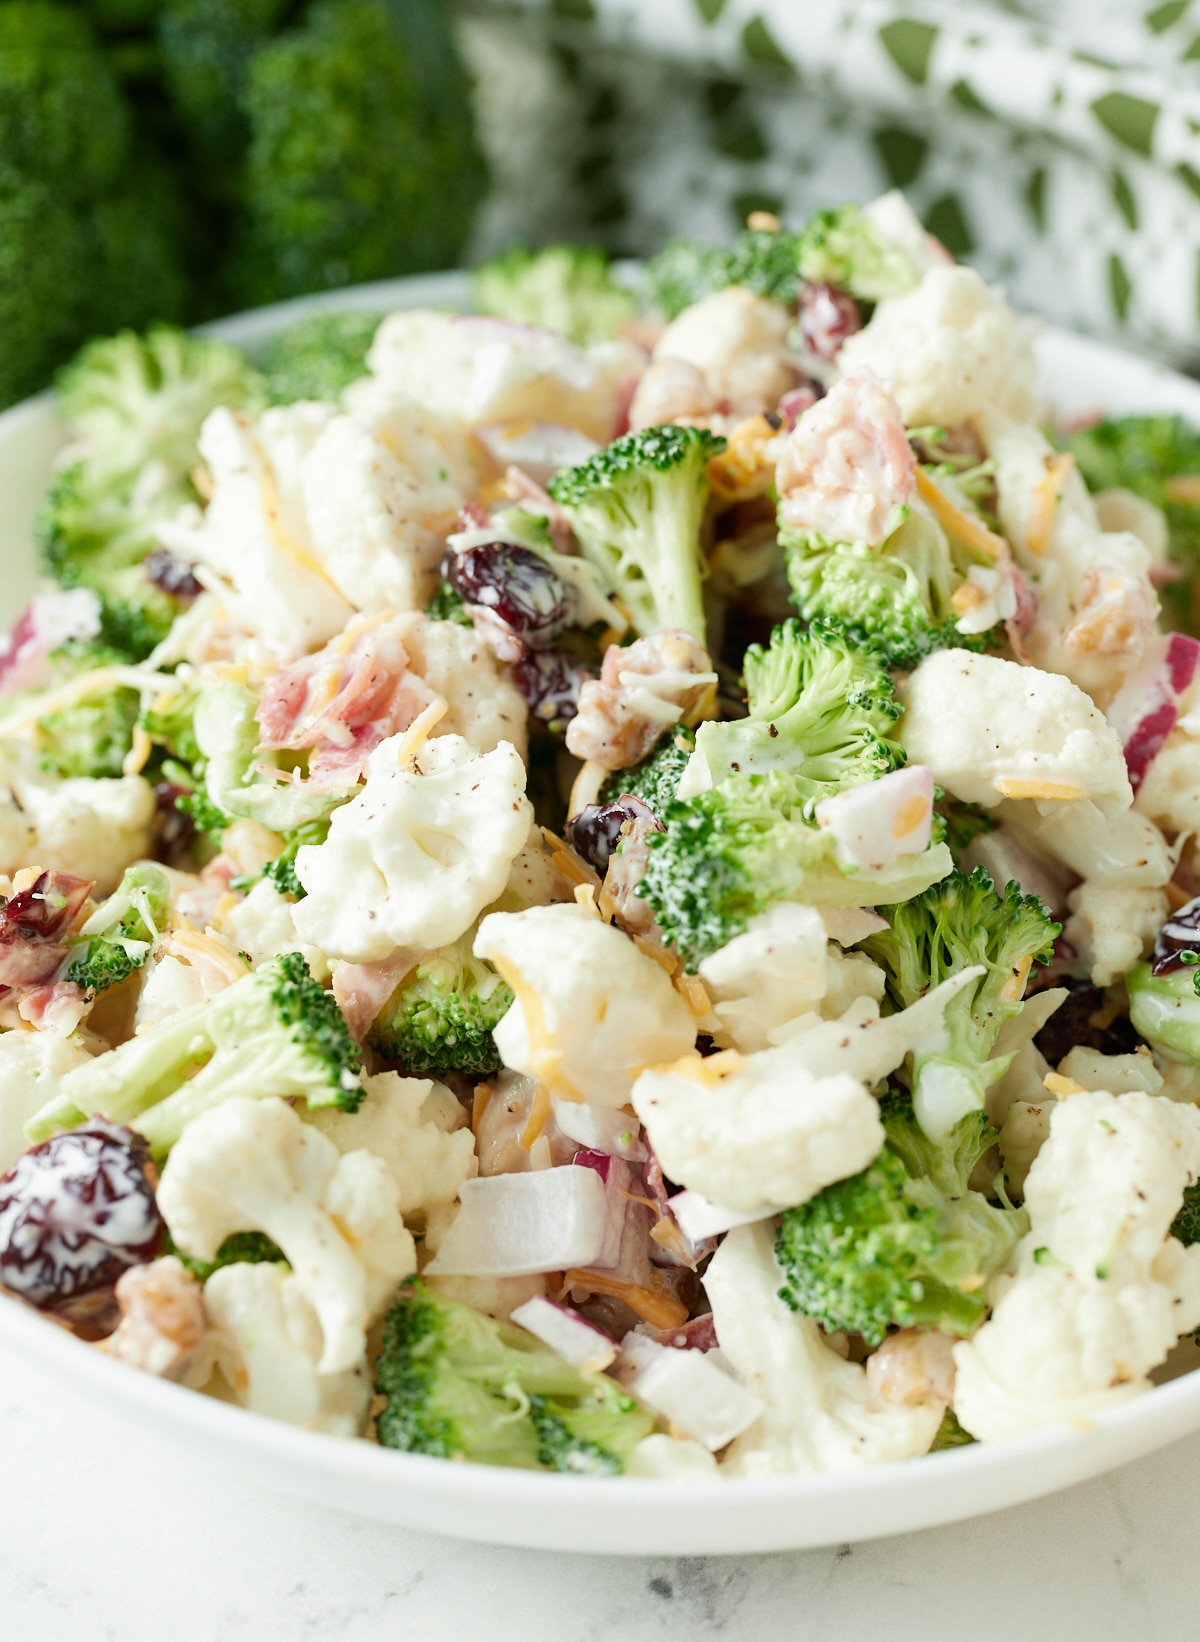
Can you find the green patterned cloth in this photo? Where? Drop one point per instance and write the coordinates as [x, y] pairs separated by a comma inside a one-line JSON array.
[[1053, 143]]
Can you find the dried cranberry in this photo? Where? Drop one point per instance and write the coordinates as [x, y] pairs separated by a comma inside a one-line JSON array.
[[596, 831], [75, 1212], [550, 682], [33, 924], [514, 589], [799, 399], [827, 317], [1179, 935], [173, 575]]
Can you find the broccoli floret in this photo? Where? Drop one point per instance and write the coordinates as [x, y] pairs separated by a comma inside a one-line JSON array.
[[131, 401], [894, 598], [440, 1018], [818, 708], [636, 508], [119, 936], [362, 160], [763, 262], [905, 1243], [276, 1032], [206, 47], [958, 924], [564, 288], [282, 870], [92, 735], [1158, 458], [1165, 1009], [239, 1248], [731, 852], [462, 1386], [844, 248], [318, 357], [44, 245], [950, 1434], [62, 118], [960, 824], [656, 779], [133, 407], [93, 533], [447, 605]]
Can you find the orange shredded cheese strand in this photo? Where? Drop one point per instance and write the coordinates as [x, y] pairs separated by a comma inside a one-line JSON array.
[[964, 525], [479, 1105], [1061, 1086], [539, 1114], [1184, 488], [1015, 787], [659, 1310], [572, 867], [1045, 501]]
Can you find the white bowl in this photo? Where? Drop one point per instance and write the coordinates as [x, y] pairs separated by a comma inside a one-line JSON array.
[[577, 1513]]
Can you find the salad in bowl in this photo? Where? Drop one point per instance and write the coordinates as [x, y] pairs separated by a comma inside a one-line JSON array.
[[608, 885]]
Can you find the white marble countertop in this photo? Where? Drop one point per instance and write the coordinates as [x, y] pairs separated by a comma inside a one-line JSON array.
[[108, 1535]]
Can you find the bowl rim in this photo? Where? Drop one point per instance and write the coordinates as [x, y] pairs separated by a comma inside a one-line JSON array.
[[1090, 1446]]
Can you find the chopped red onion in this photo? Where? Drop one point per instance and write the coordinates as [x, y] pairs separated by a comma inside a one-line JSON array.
[[698, 1217], [574, 1339], [513, 1225], [48, 621], [1145, 709], [687, 1388], [601, 1129], [878, 821]]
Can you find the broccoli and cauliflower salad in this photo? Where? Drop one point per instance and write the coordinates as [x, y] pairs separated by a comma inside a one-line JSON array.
[[609, 884]]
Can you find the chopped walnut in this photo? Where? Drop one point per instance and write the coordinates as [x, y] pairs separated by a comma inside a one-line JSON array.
[[913, 1367], [1116, 616], [163, 1324], [641, 692]]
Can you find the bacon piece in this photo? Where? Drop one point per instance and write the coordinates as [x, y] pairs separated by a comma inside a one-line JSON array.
[[848, 465], [361, 990], [57, 1007], [343, 701]]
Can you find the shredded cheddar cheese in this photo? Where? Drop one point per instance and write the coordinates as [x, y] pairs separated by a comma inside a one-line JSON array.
[[1017, 787], [952, 518], [1062, 1087], [1045, 502]]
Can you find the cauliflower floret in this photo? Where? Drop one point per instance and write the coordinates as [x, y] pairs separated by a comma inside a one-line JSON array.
[[253, 537], [1125, 849], [756, 1133], [262, 926], [415, 858], [376, 523], [254, 1165], [781, 968], [847, 468], [1100, 1291], [1112, 927], [482, 703], [992, 729], [947, 349], [739, 342], [822, 1413], [1095, 607], [30, 1065], [266, 1340], [419, 1130], [475, 370], [591, 1009], [94, 828]]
